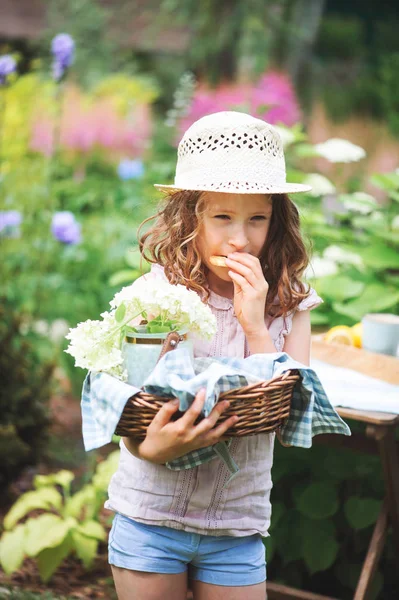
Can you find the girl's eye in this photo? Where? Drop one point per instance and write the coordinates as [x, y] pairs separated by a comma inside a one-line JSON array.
[[259, 218], [222, 217]]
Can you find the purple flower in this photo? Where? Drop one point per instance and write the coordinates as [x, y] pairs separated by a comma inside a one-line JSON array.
[[10, 220], [7, 66], [65, 228], [130, 169], [62, 48]]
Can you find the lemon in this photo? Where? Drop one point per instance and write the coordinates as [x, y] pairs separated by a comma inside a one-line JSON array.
[[341, 334], [357, 333]]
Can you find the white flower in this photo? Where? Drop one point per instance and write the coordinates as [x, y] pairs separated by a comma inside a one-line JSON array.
[[320, 267], [337, 150], [287, 136], [321, 186], [96, 345], [58, 330], [395, 223], [340, 256], [359, 202], [41, 327]]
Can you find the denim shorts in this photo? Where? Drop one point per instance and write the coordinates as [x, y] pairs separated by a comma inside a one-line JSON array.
[[220, 560]]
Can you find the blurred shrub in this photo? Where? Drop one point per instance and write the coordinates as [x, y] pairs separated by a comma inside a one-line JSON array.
[[68, 524], [389, 90], [26, 384], [341, 38]]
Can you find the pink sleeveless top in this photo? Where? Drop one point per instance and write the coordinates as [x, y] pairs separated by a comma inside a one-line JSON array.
[[196, 500]]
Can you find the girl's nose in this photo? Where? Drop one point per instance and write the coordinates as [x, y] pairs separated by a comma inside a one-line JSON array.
[[239, 240]]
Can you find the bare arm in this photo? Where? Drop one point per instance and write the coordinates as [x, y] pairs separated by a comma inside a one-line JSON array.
[[297, 343]]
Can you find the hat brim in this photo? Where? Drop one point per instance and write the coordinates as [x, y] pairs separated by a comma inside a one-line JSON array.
[[286, 188]]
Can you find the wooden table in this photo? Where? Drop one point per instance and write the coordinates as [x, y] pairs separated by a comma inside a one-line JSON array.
[[378, 438]]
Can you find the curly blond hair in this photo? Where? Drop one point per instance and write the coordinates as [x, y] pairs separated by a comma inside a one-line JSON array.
[[172, 243]]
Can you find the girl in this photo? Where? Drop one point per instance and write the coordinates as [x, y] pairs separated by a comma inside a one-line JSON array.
[[229, 200]]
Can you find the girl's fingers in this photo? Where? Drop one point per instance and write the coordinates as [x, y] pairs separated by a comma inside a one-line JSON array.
[[216, 434], [192, 413], [165, 414], [209, 422], [245, 271], [240, 280]]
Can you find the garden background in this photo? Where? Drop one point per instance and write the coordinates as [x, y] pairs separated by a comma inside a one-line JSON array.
[[88, 122]]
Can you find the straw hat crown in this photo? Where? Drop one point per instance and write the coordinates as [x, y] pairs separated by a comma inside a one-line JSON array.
[[232, 152]]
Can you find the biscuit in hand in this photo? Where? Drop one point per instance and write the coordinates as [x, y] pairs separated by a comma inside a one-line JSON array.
[[218, 261]]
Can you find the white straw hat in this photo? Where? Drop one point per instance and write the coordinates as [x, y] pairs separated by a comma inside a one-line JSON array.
[[232, 152]]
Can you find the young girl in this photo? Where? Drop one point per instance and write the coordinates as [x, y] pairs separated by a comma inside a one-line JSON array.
[[229, 200]]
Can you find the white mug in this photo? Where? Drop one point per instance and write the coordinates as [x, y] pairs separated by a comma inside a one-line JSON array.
[[381, 333]]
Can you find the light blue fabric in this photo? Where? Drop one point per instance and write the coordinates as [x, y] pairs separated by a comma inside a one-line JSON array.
[[104, 398]]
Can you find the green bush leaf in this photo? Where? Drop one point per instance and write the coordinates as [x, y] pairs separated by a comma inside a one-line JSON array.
[[12, 549], [288, 540], [92, 529], [62, 478], [361, 512], [375, 298], [50, 559], [43, 498], [318, 501], [320, 548], [81, 502], [339, 287], [86, 548], [124, 276], [120, 313], [379, 256], [46, 531]]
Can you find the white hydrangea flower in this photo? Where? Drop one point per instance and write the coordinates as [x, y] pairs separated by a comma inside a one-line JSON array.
[[287, 136], [96, 345], [341, 256], [320, 267], [395, 223], [359, 202], [337, 150], [321, 186]]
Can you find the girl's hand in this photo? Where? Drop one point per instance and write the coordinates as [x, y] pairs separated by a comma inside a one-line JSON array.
[[250, 291], [167, 440]]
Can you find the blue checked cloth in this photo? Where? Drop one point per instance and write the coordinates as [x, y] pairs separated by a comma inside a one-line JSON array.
[[104, 398]]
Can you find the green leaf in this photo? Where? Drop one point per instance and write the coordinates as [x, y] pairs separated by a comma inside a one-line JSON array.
[[320, 548], [318, 501], [81, 502], [50, 559], [12, 549], [289, 538], [43, 498], [134, 259], [92, 529], [46, 531], [317, 318], [305, 150], [339, 287], [361, 512], [123, 276], [375, 298], [86, 548], [386, 181], [62, 478], [379, 256], [120, 313]]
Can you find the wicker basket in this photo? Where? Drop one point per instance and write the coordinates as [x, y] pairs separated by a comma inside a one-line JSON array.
[[262, 407]]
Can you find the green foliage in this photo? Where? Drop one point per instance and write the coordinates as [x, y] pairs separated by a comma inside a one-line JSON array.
[[68, 524], [26, 385], [356, 235], [325, 503], [341, 37]]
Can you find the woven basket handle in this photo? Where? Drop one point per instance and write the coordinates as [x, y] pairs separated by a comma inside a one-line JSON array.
[[171, 342]]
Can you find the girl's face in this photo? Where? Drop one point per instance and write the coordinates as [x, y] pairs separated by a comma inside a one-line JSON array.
[[232, 223]]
